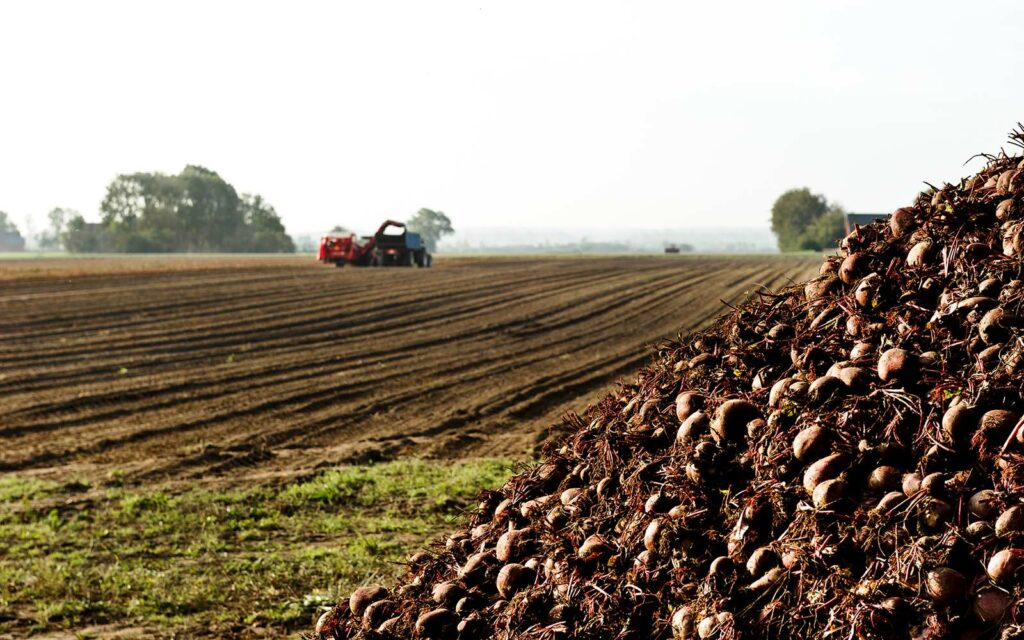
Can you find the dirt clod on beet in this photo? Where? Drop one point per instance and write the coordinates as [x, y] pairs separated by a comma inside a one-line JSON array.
[[840, 459]]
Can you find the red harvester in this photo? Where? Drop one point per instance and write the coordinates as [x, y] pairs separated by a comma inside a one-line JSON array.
[[392, 246]]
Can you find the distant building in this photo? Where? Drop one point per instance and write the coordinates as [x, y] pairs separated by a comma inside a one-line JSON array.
[[11, 241], [862, 219]]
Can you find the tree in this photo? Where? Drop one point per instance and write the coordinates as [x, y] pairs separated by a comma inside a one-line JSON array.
[[53, 237], [196, 210], [209, 215], [82, 237], [262, 224], [804, 220], [139, 214], [339, 230], [10, 237], [125, 200], [824, 232], [432, 225]]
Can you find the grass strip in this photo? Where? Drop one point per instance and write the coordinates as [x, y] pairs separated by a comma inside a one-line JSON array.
[[266, 556]]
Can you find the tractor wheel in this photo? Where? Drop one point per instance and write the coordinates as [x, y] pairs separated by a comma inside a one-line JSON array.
[[410, 259], [339, 263], [427, 259]]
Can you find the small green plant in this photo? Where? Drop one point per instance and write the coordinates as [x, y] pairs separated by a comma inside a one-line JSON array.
[[115, 478], [14, 488], [135, 504]]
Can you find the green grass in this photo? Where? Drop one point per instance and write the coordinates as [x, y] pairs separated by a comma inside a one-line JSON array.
[[16, 488], [209, 560]]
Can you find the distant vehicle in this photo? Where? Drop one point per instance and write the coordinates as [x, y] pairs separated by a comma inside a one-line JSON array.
[[671, 249], [392, 246]]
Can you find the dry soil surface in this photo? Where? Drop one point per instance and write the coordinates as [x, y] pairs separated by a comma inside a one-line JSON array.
[[245, 369]]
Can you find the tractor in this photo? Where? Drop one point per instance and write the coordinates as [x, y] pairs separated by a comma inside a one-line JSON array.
[[392, 246]]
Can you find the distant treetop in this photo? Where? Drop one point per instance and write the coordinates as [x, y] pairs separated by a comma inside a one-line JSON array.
[[432, 225], [802, 220]]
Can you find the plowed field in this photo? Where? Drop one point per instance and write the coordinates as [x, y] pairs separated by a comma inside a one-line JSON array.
[[248, 369]]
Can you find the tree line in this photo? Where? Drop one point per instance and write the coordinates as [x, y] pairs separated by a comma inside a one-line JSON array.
[[198, 211], [193, 211]]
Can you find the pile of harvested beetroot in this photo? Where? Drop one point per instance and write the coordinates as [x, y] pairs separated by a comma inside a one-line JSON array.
[[842, 460]]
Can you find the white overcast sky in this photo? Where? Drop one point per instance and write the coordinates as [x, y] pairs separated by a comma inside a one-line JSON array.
[[644, 114]]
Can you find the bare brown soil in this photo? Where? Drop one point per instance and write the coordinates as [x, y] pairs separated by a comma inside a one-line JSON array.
[[249, 369]]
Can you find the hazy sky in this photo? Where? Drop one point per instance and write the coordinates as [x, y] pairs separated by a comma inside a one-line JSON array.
[[535, 113]]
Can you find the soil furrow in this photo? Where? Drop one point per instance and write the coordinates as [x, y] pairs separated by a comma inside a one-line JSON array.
[[229, 368]]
